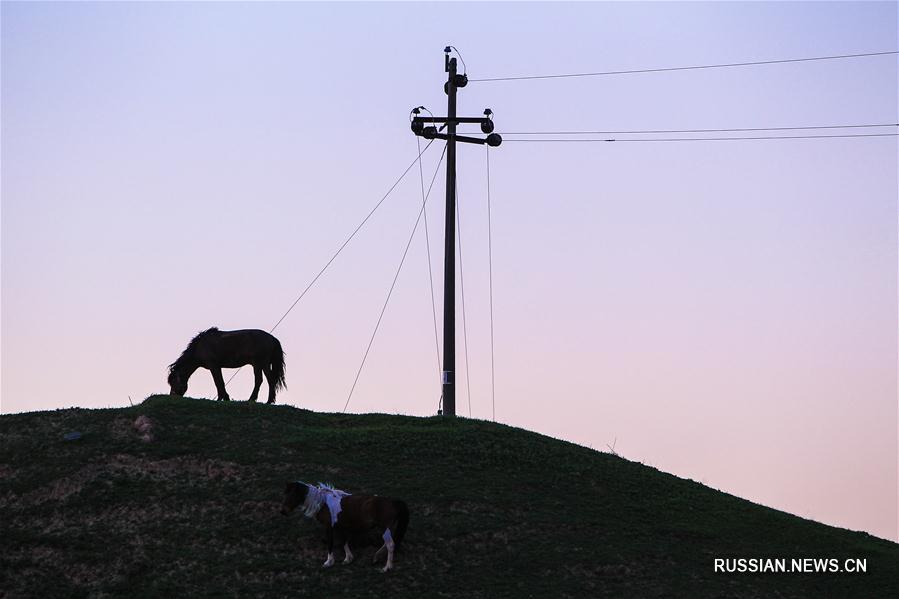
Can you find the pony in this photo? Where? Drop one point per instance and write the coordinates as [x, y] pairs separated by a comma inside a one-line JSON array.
[[344, 515], [214, 349]]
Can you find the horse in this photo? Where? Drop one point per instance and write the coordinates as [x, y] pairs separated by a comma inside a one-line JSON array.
[[345, 515], [214, 349]]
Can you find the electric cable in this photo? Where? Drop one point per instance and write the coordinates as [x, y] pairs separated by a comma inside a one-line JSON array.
[[462, 294], [342, 246], [430, 271], [657, 131], [490, 278], [393, 284], [686, 68], [679, 139]]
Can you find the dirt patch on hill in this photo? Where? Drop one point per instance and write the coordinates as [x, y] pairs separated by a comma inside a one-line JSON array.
[[184, 469]]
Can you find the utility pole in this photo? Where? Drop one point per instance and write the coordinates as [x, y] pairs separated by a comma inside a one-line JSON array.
[[454, 81]]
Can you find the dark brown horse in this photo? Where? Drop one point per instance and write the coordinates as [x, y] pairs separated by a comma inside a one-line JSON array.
[[214, 349], [345, 516]]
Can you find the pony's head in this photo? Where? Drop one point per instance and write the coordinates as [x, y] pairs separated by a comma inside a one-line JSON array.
[[181, 369], [177, 382], [294, 495]]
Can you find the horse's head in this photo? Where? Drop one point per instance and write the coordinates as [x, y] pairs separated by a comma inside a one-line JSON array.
[[294, 495], [177, 383]]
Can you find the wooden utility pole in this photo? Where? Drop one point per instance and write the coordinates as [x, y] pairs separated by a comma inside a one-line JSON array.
[[454, 81]]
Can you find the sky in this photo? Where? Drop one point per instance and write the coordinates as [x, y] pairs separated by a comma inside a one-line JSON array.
[[725, 311]]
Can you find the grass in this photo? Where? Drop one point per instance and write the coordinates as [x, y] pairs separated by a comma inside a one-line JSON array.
[[495, 512]]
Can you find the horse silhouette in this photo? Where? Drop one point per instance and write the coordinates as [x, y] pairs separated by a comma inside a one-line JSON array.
[[214, 349]]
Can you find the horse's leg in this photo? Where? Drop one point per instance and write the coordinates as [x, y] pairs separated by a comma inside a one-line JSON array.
[[270, 379], [379, 553], [349, 554], [219, 384], [388, 542], [257, 373], [329, 535], [348, 559]]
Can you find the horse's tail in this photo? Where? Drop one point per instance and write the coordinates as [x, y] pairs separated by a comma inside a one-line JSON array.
[[278, 366], [402, 516]]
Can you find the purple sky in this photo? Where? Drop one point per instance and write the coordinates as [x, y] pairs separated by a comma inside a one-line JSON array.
[[726, 310]]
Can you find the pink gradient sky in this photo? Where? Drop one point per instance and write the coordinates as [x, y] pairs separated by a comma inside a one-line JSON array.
[[726, 310]]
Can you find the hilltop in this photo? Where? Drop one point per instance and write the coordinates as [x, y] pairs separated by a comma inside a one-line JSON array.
[[189, 506]]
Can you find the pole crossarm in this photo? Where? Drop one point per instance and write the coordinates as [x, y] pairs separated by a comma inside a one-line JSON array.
[[486, 123], [463, 138], [443, 119]]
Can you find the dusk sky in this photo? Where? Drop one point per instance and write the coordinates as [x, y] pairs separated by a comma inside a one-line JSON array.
[[722, 310]]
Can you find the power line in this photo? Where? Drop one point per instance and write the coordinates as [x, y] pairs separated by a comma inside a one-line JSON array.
[[353, 234], [490, 271], [395, 277], [737, 130], [343, 245], [462, 293], [707, 138], [687, 68], [428, 246]]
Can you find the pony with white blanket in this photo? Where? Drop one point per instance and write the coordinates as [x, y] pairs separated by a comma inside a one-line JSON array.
[[344, 515]]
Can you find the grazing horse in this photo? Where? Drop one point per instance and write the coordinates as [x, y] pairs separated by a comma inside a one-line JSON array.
[[214, 349], [346, 515]]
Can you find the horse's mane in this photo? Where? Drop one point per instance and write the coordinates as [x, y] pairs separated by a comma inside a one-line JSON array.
[[199, 337], [315, 497]]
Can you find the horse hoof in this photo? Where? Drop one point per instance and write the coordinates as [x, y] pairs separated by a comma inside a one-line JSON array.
[[270, 402]]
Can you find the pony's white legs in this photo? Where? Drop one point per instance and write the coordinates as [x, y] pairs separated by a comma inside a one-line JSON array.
[[349, 554], [388, 542], [330, 561]]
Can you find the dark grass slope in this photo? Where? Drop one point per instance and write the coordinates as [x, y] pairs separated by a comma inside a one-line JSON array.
[[495, 512]]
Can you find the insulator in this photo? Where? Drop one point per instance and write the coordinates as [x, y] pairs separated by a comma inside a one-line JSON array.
[[431, 133], [494, 139], [487, 126]]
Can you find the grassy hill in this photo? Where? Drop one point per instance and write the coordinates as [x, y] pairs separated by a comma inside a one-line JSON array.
[[495, 512]]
